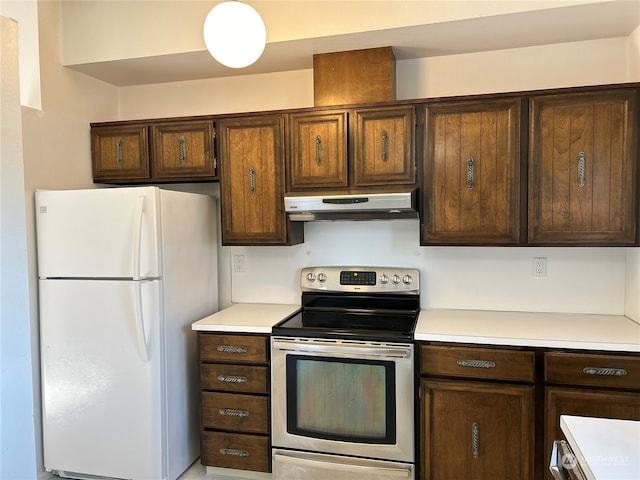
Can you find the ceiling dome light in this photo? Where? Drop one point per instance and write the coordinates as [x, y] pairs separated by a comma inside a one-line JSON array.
[[235, 34]]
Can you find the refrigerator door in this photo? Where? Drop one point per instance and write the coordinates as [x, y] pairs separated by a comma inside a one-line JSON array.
[[99, 233], [102, 385]]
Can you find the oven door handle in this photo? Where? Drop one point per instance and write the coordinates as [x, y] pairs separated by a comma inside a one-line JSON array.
[[342, 467], [344, 350]]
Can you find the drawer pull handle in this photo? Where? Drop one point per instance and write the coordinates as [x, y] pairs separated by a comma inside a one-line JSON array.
[[119, 152], [231, 349], [232, 452], [252, 180], [475, 440], [318, 150], [581, 169], [183, 150], [607, 372], [232, 378], [230, 412], [470, 172], [384, 143], [476, 363]]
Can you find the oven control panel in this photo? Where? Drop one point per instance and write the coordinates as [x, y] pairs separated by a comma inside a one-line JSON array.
[[360, 279]]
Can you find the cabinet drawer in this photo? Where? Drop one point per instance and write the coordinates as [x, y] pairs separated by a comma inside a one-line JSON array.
[[228, 411], [234, 378], [232, 450], [233, 348], [483, 363], [620, 371]]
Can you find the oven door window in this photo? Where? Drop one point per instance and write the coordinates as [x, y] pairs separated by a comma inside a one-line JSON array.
[[351, 400]]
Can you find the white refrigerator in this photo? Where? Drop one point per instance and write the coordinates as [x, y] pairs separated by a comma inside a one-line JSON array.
[[123, 274]]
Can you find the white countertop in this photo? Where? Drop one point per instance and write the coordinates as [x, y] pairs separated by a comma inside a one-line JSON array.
[[606, 449], [551, 330], [246, 318]]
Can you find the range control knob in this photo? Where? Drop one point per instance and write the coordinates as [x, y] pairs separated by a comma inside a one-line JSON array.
[[407, 279], [322, 277], [395, 279], [384, 279], [311, 277]]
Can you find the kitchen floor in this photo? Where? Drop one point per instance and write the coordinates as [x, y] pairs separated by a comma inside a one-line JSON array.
[[197, 471]]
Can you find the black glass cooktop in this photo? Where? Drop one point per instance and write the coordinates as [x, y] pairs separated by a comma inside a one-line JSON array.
[[357, 317]]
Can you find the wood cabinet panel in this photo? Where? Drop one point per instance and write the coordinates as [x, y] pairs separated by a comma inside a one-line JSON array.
[[252, 183], [477, 363], [318, 150], [233, 348], [238, 451], [603, 403], [183, 150], [477, 430], [472, 173], [583, 168], [237, 412], [120, 153], [383, 147], [608, 371]]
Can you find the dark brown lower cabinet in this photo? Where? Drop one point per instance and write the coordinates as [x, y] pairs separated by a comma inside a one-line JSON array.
[[477, 430], [234, 392], [493, 412]]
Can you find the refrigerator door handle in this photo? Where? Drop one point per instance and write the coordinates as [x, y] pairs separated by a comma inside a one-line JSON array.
[[141, 336], [137, 237]]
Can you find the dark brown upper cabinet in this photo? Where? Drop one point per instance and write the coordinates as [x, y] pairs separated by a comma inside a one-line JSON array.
[[472, 171], [583, 168]]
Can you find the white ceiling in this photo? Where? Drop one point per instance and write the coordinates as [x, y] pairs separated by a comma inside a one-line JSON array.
[[539, 27]]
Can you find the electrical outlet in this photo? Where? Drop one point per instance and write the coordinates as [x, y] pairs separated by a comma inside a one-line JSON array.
[[540, 267], [238, 263]]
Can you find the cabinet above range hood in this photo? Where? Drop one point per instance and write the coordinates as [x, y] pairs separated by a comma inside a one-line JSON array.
[[352, 205]]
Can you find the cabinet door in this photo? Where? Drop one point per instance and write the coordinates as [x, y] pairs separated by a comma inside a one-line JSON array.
[[183, 150], [318, 157], [477, 430], [583, 168], [252, 182], [120, 154], [586, 403], [383, 147], [472, 173]]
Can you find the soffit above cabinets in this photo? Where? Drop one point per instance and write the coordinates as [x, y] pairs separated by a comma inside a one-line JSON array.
[[187, 58]]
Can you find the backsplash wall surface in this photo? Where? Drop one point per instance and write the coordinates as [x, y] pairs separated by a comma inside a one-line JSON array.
[[579, 280]]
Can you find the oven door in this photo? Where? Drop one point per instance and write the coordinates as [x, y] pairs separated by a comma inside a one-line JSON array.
[[296, 465], [344, 397]]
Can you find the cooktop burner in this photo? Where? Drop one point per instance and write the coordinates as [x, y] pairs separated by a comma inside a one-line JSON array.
[[364, 303]]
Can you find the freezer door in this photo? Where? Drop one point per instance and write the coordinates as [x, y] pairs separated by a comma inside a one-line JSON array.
[[98, 233], [102, 400]]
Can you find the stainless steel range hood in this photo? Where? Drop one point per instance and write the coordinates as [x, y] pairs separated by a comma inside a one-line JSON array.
[[352, 205]]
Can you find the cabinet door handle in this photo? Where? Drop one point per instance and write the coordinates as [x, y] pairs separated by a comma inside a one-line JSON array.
[[230, 412], [384, 144], [604, 371], [475, 440], [470, 167], [183, 150], [232, 378], [119, 151], [581, 169], [231, 349], [318, 149], [476, 363], [252, 180], [232, 452]]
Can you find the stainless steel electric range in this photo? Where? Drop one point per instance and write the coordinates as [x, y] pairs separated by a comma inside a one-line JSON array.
[[343, 376]]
